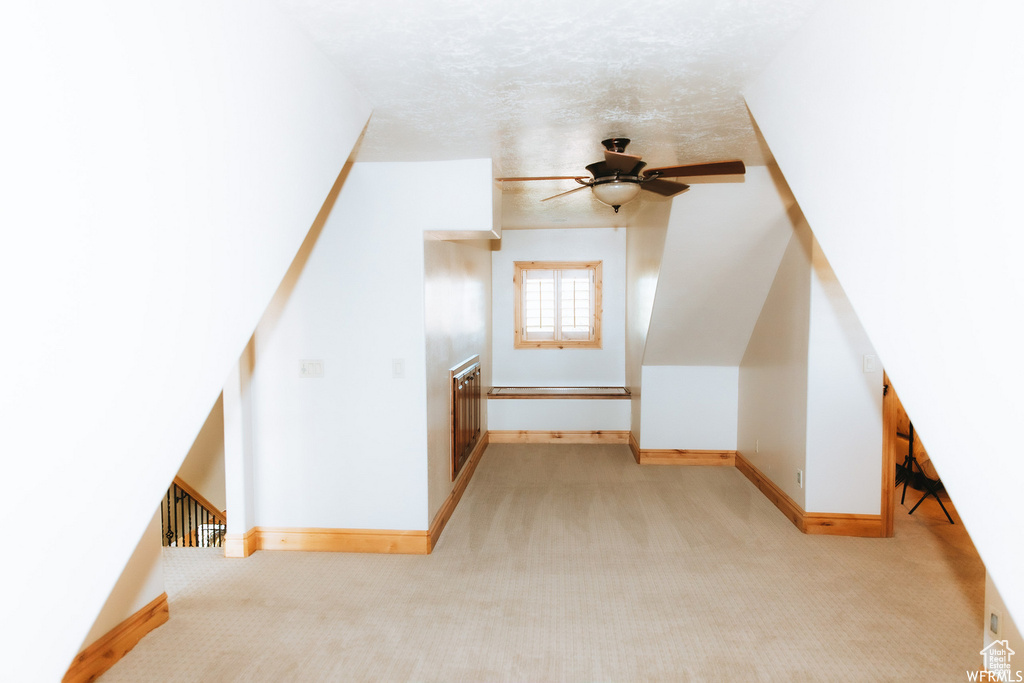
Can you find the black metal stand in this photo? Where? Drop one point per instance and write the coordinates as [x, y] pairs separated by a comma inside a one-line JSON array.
[[908, 472]]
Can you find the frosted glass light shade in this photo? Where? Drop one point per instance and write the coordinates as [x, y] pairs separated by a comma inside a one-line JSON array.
[[616, 192]]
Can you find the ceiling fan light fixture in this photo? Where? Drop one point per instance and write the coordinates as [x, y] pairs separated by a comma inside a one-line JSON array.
[[616, 191]]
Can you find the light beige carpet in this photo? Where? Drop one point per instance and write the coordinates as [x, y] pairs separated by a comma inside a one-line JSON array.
[[572, 563]]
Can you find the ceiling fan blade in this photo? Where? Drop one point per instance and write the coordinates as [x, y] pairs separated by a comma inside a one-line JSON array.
[[714, 168], [665, 188], [562, 194], [546, 177], [623, 163]]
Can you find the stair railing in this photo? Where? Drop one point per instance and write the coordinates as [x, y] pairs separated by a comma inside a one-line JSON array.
[[189, 519]]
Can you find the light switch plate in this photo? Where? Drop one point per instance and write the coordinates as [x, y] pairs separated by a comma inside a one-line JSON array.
[[311, 368]]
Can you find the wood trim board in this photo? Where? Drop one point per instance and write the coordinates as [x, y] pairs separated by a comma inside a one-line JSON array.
[[634, 447], [444, 513], [675, 456], [402, 542], [679, 456], [890, 418], [815, 523], [771, 491], [116, 643], [576, 437], [241, 545], [589, 393], [385, 541], [838, 524]]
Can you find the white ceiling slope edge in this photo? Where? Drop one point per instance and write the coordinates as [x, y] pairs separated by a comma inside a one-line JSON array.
[[537, 85], [722, 251]]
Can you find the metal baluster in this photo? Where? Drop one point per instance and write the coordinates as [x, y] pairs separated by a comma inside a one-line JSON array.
[[168, 531], [181, 513], [178, 516]]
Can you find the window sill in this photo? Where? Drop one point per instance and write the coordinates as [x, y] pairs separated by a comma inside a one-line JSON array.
[[557, 345], [559, 392]]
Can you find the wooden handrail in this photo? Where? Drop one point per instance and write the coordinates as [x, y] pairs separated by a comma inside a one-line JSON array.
[[218, 516]]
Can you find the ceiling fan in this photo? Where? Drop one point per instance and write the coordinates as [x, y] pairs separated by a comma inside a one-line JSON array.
[[619, 178]]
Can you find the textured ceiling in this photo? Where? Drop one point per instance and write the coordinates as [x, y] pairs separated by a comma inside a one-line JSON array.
[[536, 85]]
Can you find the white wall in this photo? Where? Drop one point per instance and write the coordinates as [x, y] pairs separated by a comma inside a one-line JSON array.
[[558, 414], [457, 300], [692, 408], [238, 447], [141, 582], [721, 252], [559, 367], [349, 449], [805, 402], [645, 243], [772, 426], [904, 155], [203, 468], [844, 403], [162, 163]]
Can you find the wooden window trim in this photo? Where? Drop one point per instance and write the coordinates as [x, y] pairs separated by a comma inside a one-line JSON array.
[[517, 286]]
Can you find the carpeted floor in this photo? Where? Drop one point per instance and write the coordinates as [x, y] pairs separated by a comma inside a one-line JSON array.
[[572, 563]]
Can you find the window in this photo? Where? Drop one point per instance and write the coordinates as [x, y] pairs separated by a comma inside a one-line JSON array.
[[557, 304]]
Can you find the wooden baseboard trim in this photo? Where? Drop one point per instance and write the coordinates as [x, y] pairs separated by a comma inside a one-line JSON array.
[[400, 542], [461, 482], [241, 545], [686, 457], [386, 541], [679, 456], [816, 523], [634, 447], [577, 437], [771, 491], [116, 643], [838, 524]]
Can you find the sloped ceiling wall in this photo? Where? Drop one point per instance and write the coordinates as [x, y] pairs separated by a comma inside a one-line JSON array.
[[722, 250], [903, 154], [162, 164]]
